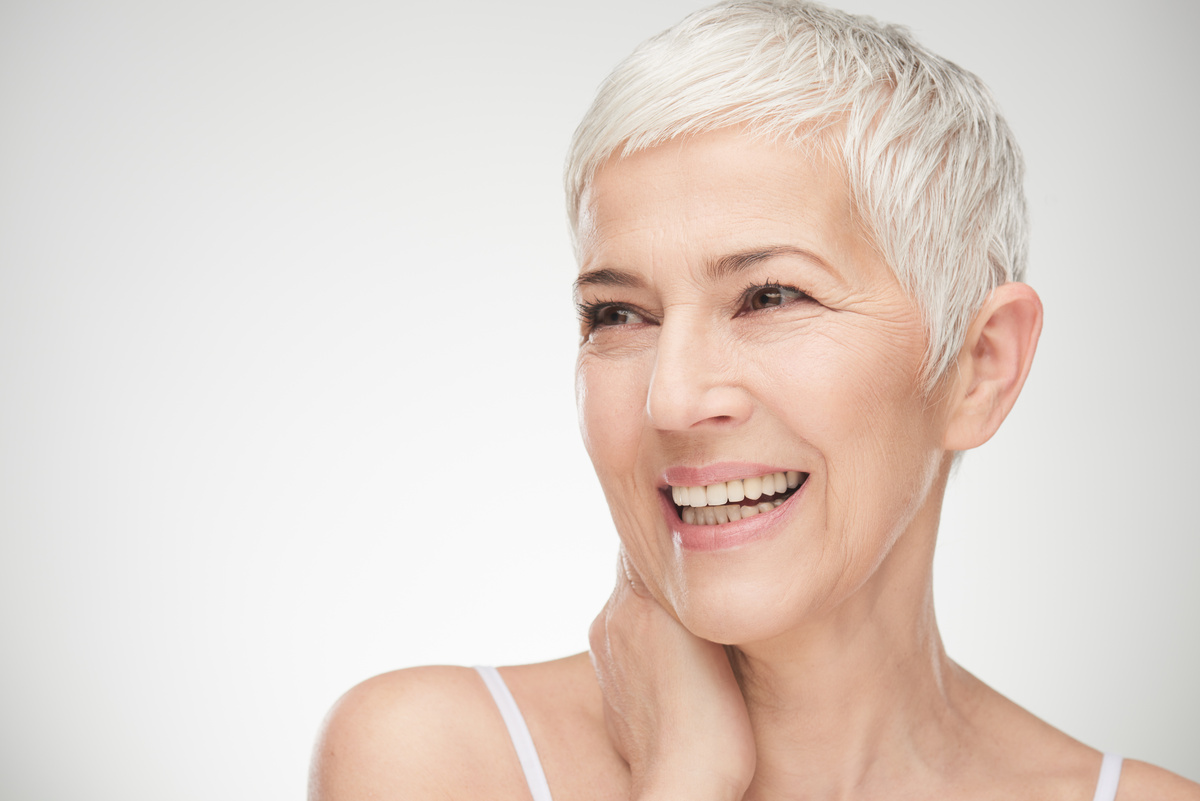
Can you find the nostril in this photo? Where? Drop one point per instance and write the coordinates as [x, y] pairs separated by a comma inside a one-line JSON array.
[[684, 409]]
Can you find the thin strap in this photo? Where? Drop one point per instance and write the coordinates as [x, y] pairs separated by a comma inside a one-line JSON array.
[[518, 732], [1110, 776]]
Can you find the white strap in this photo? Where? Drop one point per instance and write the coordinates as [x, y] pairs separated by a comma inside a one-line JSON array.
[[518, 732], [1110, 776]]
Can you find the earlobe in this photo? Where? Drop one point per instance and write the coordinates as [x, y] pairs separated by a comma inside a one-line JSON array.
[[993, 364]]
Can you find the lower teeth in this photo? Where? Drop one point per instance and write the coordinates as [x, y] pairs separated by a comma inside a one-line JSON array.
[[715, 515]]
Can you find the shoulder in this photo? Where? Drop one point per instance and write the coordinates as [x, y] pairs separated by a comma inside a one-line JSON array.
[[1140, 780], [415, 733], [1025, 752]]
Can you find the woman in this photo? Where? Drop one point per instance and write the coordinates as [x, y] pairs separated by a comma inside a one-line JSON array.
[[801, 238]]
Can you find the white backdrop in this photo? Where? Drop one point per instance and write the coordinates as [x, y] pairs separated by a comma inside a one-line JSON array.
[[285, 373]]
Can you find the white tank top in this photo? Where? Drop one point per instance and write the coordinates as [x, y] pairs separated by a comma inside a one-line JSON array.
[[518, 732]]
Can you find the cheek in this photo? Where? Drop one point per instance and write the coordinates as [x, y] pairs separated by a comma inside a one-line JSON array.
[[862, 385], [610, 407], [611, 399], [856, 397]]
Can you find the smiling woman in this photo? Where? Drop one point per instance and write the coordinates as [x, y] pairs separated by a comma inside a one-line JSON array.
[[800, 239], [287, 397], [805, 359]]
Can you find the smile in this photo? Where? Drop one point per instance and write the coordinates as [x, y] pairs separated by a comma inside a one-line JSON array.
[[730, 501]]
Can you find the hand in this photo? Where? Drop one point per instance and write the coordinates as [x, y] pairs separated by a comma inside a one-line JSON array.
[[672, 706]]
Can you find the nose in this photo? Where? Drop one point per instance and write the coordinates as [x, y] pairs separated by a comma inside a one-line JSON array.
[[696, 381]]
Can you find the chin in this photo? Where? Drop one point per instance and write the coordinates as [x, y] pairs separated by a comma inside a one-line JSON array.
[[739, 612]]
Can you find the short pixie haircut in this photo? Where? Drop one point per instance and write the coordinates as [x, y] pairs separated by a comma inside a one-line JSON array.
[[934, 173]]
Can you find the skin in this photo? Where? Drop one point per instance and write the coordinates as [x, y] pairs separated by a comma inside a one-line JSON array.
[[805, 662]]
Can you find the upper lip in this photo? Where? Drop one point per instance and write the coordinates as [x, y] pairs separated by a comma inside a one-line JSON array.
[[718, 472]]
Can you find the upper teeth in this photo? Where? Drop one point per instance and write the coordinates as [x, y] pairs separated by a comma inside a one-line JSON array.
[[736, 490]]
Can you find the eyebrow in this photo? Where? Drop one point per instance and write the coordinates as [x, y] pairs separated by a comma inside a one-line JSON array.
[[608, 277], [717, 269], [734, 263]]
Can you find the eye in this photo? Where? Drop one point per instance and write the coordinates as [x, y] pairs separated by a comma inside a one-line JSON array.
[[770, 295], [617, 315], [608, 315]]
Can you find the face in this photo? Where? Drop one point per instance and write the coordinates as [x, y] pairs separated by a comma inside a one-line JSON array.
[[739, 330]]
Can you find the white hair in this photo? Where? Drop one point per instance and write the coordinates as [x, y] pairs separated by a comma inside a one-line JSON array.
[[933, 170]]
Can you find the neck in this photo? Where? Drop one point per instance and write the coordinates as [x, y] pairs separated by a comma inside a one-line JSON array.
[[855, 703]]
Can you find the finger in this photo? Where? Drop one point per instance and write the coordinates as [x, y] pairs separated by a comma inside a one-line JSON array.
[[598, 636], [629, 573]]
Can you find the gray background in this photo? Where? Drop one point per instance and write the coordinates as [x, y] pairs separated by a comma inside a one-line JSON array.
[[285, 373]]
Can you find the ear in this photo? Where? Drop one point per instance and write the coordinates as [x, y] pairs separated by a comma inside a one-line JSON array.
[[993, 364]]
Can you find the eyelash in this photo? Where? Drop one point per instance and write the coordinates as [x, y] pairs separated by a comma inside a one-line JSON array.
[[590, 312]]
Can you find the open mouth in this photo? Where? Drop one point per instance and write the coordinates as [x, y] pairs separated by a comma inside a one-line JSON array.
[[735, 500]]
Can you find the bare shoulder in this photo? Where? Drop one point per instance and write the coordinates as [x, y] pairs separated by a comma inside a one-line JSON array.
[[1036, 759], [429, 732], [1140, 780]]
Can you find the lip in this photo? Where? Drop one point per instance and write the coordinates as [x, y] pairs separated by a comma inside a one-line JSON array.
[[716, 473], [726, 536]]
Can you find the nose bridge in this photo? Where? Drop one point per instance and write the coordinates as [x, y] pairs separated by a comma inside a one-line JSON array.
[[693, 382]]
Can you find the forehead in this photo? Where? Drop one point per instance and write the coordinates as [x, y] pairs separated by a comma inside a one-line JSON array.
[[693, 200]]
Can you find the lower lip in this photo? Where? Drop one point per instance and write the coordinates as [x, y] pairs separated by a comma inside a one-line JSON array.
[[724, 536]]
